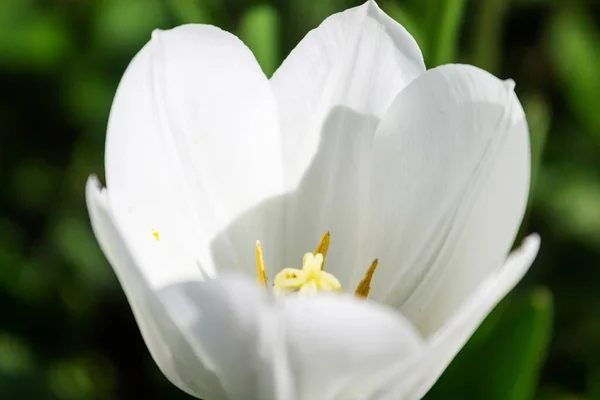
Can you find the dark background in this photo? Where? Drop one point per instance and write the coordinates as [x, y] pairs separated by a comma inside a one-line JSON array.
[[66, 331]]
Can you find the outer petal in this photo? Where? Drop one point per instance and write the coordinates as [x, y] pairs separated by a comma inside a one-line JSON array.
[[359, 58], [450, 182], [289, 348], [193, 140], [338, 346], [173, 354], [411, 381], [234, 324]]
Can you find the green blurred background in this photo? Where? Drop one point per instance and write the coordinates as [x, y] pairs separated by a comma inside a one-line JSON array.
[[66, 331]]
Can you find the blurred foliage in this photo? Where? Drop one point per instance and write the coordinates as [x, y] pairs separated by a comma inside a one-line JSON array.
[[512, 345], [66, 331]]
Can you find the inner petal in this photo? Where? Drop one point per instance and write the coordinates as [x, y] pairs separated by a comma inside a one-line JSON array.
[[333, 195]]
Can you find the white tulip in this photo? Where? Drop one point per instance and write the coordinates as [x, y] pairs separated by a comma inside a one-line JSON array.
[[425, 171]]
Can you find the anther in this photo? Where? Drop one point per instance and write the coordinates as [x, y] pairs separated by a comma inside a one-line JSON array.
[[364, 286], [261, 277], [323, 246]]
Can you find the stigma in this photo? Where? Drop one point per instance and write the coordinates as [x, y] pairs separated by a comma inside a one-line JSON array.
[[311, 278]]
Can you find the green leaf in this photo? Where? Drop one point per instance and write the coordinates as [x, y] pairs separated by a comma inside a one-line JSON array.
[[189, 11], [571, 194], [406, 19], [575, 52], [125, 25], [15, 355], [258, 29], [31, 39], [443, 21], [503, 365], [488, 33], [594, 383], [538, 115]]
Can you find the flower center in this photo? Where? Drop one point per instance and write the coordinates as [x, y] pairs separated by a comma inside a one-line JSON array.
[[311, 278]]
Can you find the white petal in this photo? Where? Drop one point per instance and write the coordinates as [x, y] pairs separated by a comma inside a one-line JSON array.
[[339, 345], [193, 140], [436, 194], [324, 347], [233, 323], [331, 91], [172, 353], [229, 336], [412, 381], [360, 59], [334, 196], [260, 347], [449, 189]]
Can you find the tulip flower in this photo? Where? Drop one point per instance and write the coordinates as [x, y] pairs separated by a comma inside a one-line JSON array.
[[338, 231]]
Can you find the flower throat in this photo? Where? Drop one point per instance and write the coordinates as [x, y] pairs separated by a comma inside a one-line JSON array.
[[311, 278]]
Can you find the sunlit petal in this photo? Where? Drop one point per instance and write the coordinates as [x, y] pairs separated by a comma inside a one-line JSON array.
[[450, 180], [193, 140], [167, 344], [411, 381]]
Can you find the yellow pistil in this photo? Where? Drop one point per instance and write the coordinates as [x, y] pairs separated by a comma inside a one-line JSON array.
[[261, 277], [364, 286], [310, 278]]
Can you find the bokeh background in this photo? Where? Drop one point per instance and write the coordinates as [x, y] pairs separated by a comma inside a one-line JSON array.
[[66, 331]]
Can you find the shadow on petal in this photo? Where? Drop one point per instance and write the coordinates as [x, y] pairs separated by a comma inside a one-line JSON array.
[[233, 323], [333, 195]]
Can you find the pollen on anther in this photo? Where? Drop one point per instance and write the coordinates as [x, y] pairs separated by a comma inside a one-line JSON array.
[[155, 234], [261, 277], [364, 286], [323, 246]]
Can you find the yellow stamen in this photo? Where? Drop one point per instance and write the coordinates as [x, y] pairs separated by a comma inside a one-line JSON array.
[[155, 234], [323, 246], [261, 277], [310, 279], [364, 286]]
